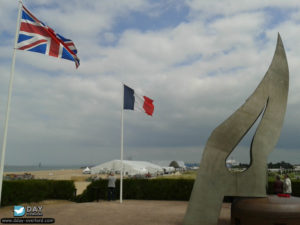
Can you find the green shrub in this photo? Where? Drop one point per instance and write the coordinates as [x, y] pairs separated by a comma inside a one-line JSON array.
[[147, 189], [156, 189], [296, 188], [16, 192]]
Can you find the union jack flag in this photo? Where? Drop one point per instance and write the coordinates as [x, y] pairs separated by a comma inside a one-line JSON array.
[[35, 36]]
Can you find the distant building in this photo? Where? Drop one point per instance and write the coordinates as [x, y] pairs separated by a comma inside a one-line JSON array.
[[231, 163], [192, 166], [177, 164], [169, 164], [162, 163], [275, 170], [297, 168]]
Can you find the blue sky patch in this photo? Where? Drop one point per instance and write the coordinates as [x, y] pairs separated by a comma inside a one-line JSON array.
[[261, 39], [213, 18], [158, 18], [222, 71], [229, 50], [189, 60], [277, 15]]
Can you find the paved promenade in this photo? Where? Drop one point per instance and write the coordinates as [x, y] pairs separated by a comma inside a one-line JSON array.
[[131, 212]]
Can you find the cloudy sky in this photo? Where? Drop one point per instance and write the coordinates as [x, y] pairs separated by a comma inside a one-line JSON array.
[[198, 60]]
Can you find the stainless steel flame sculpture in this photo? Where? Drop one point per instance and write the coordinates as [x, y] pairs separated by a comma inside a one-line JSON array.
[[214, 181]]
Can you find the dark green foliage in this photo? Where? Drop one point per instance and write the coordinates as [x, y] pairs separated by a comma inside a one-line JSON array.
[[25, 191], [155, 189], [147, 189], [296, 188], [21, 191]]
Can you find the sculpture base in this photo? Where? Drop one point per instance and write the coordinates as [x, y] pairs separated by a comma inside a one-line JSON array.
[[272, 210]]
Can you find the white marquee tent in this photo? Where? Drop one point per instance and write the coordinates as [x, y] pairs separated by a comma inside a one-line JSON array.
[[87, 170], [129, 167]]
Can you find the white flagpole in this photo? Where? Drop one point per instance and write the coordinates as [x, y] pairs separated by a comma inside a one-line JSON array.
[[122, 134], [12, 73]]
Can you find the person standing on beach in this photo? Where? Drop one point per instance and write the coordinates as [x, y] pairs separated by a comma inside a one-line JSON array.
[[111, 186]]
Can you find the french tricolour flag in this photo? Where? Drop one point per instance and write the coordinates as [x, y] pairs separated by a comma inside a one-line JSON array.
[[133, 101]]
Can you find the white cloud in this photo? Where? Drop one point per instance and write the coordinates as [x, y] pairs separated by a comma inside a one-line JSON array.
[[230, 7], [198, 73]]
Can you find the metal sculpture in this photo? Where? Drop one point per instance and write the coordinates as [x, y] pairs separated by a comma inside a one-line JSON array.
[[213, 180]]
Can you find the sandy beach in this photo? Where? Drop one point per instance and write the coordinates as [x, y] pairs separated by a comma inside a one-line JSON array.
[[65, 174]]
